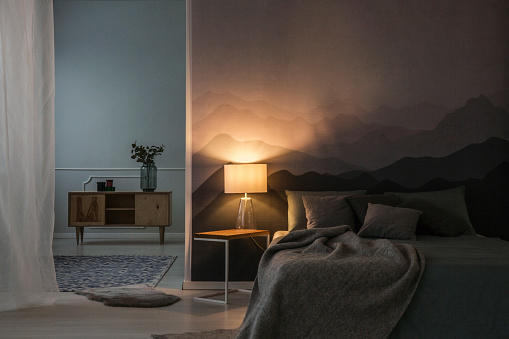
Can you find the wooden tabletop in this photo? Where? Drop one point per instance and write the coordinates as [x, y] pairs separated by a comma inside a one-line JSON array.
[[232, 234]]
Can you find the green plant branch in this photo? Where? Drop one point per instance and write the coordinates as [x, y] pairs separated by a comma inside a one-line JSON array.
[[145, 153]]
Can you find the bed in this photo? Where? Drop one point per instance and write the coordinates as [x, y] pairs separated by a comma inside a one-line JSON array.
[[452, 283]]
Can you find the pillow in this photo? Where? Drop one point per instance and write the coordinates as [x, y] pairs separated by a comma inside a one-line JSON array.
[[327, 211], [436, 220], [296, 212], [451, 200], [359, 204], [389, 222]]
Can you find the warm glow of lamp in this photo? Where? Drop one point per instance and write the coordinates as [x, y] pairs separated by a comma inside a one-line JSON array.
[[245, 178]]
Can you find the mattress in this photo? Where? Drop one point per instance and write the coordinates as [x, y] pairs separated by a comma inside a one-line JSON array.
[[464, 291]]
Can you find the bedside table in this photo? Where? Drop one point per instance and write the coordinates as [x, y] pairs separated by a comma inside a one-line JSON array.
[[225, 236]]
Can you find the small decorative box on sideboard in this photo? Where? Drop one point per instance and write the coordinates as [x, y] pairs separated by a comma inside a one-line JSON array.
[[116, 208]]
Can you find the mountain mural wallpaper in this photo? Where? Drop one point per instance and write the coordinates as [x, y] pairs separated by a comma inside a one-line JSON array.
[[343, 95]]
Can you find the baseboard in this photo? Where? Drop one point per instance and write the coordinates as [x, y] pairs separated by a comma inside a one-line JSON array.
[[137, 236], [216, 285]]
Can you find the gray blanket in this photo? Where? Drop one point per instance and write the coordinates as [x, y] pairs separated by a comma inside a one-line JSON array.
[[329, 283]]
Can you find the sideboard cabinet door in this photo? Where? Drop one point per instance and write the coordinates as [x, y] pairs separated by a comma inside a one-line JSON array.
[[86, 210], [153, 209]]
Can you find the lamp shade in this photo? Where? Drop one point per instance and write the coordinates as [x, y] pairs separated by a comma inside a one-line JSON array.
[[245, 178]]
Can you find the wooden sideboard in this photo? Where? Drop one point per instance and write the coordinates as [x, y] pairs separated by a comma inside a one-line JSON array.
[[118, 208]]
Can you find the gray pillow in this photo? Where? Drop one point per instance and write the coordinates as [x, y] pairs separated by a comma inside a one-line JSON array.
[[296, 211], [436, 220], [327, 211], [389, 222], [359, 204], [452, 200]]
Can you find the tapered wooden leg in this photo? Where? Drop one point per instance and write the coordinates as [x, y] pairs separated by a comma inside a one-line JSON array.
[[82, 229], [161, 235], [77, 235]]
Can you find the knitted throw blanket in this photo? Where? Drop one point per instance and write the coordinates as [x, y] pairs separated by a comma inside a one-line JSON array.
[[330, 283]]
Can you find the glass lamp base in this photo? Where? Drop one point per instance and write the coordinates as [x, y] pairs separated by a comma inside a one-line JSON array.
[[246, 218]]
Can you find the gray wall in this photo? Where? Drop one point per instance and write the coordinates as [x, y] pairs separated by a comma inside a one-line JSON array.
[[120, 77]]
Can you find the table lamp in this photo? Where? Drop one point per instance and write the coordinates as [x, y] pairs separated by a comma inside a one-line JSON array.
[[245, 178]]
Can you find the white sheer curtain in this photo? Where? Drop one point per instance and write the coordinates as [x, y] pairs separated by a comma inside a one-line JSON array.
[[27, 154]]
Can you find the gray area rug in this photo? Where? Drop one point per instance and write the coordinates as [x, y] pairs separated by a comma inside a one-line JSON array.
[[215, 334], [76, 273], [130, 296]]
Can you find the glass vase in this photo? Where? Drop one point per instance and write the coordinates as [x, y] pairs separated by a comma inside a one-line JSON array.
[[148, 177]]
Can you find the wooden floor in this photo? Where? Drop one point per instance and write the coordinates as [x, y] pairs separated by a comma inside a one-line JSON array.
[[75, 316]]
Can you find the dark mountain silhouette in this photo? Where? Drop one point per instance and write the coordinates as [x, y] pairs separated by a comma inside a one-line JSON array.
[[479, 116], [473, 161], [387, 186], [345, 107], [299, 162], [208, 191], [329, 125], [373, 150], [424, 116], [350, 174], [476, 122], [223, 149], [312, 181]]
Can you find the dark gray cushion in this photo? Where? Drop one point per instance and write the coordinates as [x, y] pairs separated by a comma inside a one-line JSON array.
[[436, 220], [327, 211], [359, 204], [451, 200], [389, 222], [296, 211]]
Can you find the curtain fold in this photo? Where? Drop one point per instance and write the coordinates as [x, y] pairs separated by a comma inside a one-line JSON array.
[[27, 154]]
